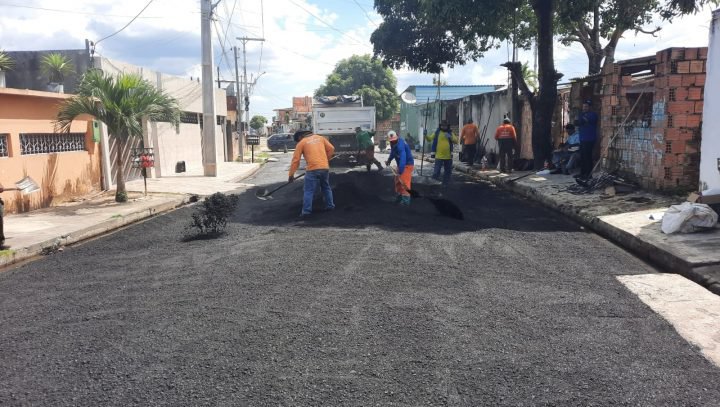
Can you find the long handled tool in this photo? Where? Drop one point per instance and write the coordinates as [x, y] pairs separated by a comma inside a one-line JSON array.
[[424, 135], [264, 194], [443, 206], [521, 177], [25, 186]]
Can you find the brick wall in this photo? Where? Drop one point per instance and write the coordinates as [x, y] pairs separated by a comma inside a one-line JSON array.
[[659, 144]]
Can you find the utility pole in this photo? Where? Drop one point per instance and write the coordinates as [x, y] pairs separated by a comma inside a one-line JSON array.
[[208, 91], [246, 93], [238, 120]]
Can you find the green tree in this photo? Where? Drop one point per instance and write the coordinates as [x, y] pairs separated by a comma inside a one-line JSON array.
[[56, 67], [122, 103], [529, 76], [365, 76], [428, 35], [599, 25], [258, 122], [6, 63]]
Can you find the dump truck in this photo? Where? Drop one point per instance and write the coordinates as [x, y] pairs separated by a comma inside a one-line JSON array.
[[336, 117]]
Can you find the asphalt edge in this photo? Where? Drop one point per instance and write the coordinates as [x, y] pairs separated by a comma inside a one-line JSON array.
[[707, 275], [17, 255]]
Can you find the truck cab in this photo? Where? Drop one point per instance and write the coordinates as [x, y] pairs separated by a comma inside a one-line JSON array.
[[336, 117]]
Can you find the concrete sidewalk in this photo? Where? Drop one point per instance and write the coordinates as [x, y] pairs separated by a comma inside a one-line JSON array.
[[32, 233], [623, 219]]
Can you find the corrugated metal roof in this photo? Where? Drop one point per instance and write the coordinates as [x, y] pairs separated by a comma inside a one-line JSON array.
[[448, 92]]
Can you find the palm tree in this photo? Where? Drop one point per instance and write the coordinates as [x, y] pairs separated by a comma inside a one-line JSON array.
[[122, 103], [56, 67], [530, 76], [6, 64]]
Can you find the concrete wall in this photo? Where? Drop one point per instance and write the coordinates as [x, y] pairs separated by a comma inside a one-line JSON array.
[[61, 176], [487, 111], [171, 146], [26, 73], [710, 150]]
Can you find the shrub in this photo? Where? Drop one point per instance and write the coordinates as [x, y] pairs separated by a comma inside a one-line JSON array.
[[211, 217]]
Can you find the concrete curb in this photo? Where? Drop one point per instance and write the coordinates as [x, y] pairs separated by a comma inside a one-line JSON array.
[[17, 255], [707, 275]]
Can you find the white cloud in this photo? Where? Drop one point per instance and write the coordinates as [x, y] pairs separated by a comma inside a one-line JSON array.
[[299, 51]]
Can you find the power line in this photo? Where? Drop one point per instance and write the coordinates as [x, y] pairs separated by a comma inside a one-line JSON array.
[[287, 49], [355, 40], [126, 25], [55, 10], [366, 13]]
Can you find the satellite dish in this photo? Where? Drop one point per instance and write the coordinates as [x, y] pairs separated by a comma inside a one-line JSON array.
[[408, 98]]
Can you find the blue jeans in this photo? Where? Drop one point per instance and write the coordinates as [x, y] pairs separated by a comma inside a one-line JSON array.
[[446, 166], [312, 179]]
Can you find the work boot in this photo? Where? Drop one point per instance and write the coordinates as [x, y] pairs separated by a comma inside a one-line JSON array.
[[405, 200], [398, 199], [380, 167]]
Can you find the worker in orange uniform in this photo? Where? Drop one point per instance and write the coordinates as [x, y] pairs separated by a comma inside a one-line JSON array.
[[469, 138], [507, 139], [402, 154], [317, 152]]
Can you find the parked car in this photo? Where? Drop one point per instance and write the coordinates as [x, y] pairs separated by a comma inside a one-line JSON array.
[[280, 141]]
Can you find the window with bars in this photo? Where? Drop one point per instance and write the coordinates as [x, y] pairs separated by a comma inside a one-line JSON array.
[[668, 147], [4, 150], [673, 67], [671, 95], [45, 143], [189, 117], [670, 123]]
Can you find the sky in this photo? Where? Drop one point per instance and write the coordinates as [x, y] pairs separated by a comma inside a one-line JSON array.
[[304, 39]]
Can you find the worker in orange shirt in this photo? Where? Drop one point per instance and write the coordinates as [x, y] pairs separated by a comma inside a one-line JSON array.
[[507, 139], [469, 138], [317, 152]]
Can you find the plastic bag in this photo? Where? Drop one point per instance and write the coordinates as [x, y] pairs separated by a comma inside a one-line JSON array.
[[688, 217]]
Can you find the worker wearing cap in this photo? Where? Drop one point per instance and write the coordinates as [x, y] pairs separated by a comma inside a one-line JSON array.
[[402, 154], [367, 147], [587, 127], [317, 152], [443, 141], [507, 139]]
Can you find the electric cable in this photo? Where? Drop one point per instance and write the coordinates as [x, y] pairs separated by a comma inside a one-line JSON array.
[[126, 25]]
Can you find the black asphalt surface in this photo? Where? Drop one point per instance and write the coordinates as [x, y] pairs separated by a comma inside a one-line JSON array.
[[372, 304]]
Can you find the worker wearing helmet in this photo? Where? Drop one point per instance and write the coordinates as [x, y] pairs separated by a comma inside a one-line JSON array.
[[317, 151], [401, 153]]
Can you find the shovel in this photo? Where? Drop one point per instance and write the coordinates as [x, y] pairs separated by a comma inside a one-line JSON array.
[[25, 186], [443, 206], [264, 194]]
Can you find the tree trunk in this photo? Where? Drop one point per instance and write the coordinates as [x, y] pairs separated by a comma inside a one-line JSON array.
[[120, 193], [548, 77], [595, 59]]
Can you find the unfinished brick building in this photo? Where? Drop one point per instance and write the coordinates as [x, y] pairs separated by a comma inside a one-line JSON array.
[[651, 118]]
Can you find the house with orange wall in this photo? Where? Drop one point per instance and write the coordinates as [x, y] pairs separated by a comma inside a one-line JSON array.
[[65, 165]]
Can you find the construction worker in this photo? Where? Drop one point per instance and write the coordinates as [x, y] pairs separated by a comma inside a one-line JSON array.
[[402, 154], [507, 139], [317, 152], [468, 138], [367, 148], [442, 141]]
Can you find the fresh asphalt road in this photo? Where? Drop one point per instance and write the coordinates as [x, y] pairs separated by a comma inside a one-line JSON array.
[[371, 304]]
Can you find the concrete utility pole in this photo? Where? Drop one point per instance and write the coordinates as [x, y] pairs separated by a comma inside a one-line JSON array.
[[208, 91], [238, 119], [245, 94]]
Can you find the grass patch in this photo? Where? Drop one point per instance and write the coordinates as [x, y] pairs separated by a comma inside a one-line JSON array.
[[6, 252]]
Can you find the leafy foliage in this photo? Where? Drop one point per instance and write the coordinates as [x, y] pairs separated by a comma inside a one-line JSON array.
[[122, 103], [599, 25], [211, 217], [258, 122], [56, 67], [6, 63], [365, 76]]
